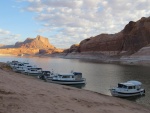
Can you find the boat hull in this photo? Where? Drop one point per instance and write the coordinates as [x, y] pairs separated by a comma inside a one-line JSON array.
[[34, 74], [66, 82], [127, 94], [18, 71]]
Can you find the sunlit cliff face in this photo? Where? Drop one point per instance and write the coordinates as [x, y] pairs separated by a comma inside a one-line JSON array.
[[31, 46]]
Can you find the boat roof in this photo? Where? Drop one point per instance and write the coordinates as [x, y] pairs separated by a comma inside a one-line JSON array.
[[131, 83], [134, 82], [127, 84]]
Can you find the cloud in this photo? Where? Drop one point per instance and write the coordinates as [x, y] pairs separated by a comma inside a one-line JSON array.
[[80, 19], [8, 38], [4, 32]]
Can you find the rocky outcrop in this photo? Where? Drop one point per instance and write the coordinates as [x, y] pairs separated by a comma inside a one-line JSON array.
[[38, 43], [133, 37], [103, 42], [74, 48]]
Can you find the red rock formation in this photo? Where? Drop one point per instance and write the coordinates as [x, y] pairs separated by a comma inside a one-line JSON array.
[[74, 48], [39, 43], [134, 36], [103, 42]]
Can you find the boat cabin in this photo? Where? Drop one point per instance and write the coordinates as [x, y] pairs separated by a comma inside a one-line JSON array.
[[126, 86], [130, 85], [25, 64], [29, 66], [77, 73], [35, 69], [127, 89], [68, 76]]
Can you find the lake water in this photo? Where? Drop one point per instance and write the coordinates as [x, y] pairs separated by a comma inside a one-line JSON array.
[[100, 77]]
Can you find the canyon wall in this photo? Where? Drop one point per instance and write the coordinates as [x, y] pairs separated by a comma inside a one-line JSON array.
[[133, 37]]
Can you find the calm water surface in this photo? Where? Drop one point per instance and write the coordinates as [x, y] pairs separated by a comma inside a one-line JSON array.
[[100, 77]]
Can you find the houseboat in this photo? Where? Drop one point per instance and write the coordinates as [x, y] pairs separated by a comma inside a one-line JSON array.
[[128, 89], [67, 78], [34, 71]]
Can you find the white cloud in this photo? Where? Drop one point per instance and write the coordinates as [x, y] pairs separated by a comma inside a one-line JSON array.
[[39, 9], [4, 32], [81, 19], [8, 38]]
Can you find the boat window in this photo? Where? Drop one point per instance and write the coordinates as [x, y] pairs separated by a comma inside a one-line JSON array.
[[138, 87], [66, 77], [124, 86], [120, 85], [130, 87], [78, 76]]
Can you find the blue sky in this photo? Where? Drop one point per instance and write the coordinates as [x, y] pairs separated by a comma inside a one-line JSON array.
[[17, 21], [66, 22]]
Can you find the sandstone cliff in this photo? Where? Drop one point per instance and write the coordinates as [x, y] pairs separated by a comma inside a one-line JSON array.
[[133, 37], [73, 48], [38, 45]]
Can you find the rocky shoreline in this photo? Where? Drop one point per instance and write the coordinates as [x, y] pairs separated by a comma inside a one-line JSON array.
[[143, 60], [26, 94], [135, 59]]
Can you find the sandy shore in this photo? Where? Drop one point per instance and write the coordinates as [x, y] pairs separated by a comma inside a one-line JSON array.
[[25, 94]]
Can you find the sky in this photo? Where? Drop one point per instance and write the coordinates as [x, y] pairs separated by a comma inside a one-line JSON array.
[[66, 22]]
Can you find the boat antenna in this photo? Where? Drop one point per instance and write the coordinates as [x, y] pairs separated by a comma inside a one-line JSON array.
[[71, 71], [52, 71]]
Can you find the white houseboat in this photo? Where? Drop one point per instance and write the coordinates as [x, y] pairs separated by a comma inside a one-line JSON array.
[[13, 63], [34, 71], [26, 69], [128, 89], [67, 78], [20, 67]]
